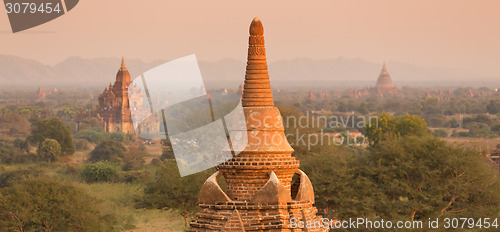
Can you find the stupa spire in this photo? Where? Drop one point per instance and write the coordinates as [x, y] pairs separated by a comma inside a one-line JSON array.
[[123, 75], [123, 63], [257, 88], [384, 68]]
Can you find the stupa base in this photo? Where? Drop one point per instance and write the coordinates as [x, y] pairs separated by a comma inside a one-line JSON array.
[[248, 216]]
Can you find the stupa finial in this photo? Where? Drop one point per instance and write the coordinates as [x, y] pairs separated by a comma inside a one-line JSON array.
[[256, 27], [123, 63]]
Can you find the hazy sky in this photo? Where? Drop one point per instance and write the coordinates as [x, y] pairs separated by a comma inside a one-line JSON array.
[[450, 33]]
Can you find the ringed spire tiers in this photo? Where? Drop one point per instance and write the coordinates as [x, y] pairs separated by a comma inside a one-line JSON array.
[[257, 88]]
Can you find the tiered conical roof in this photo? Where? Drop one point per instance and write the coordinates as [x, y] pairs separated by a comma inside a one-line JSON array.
[[257, 88], [384, 80]]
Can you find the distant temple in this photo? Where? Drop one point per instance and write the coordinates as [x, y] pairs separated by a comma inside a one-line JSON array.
[[384, 84], [43, 94], [261, 191], [383, 87], [114, 106], [116, 103], [384, 80]]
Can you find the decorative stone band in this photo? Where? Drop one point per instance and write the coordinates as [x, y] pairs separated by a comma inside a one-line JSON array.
[[256, 48]]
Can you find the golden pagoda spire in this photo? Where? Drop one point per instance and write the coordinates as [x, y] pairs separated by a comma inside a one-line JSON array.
[[257, 88]]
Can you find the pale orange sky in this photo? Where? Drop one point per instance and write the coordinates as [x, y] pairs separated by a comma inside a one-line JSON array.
[[449, 33]]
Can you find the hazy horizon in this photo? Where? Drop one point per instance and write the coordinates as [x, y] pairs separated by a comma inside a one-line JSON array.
[[229, 73], [454, 34]]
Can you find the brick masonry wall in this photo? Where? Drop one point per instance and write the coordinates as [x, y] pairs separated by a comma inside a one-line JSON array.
[[255, 216]]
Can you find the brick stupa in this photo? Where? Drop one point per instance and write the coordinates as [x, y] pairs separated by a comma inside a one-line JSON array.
[[260, 195], [384, 81]]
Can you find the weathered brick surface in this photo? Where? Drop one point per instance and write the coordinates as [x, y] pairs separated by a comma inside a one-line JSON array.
[[114, 108], [266, 161], [255, 216]]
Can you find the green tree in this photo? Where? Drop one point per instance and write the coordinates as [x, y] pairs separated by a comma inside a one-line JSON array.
[[362, 109], [22, 145], [496, 129], [493, 107], [81, 144], [49, 150], [423, 177], [91, 134], [10, 154], [14, 124], [166, 150], [89, 122], [35, 112], [452, 123], [118, 136], [170, 190], [431, 106], [440, 133], [14, 176], [342, 107], [66, 113], [411, 125], [41, 205], [386, 126], [404, 178], [336, 198], [435, 120], [53, 129], [479, 130], [101, 171], [108, 150], [134, 158]]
